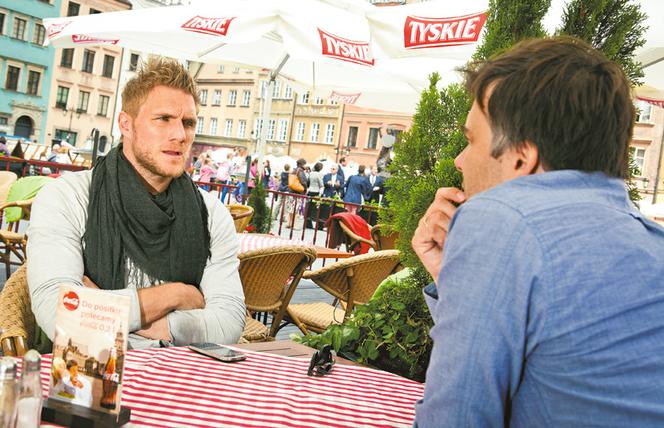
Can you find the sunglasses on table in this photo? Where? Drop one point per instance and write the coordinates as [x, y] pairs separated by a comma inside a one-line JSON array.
[[322, 362]]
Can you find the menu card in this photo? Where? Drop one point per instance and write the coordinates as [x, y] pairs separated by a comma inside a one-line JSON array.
[[89, 347]]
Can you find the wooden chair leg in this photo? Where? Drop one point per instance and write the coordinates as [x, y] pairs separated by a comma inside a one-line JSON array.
[[297, 322]]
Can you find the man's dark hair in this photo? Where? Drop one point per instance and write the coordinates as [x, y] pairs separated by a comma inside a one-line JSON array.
[[286, 167], [318, 166], [562, 95], [342, 160], [360, 169]]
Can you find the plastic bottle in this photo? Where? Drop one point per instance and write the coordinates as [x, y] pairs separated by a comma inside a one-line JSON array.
[[30, 394], [7, 392]]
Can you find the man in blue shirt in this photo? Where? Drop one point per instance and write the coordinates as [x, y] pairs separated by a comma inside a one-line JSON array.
[[548, 299]]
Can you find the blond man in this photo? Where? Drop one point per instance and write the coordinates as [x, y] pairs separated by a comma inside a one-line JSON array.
[[137, 225]]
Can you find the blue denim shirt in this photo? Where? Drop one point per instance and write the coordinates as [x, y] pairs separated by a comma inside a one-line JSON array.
[[550, 310]]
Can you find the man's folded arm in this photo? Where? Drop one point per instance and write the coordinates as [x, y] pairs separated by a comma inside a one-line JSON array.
[[222, 320], [480, 313]]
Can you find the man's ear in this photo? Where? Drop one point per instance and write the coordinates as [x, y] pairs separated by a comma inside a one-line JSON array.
[[525, 159], [125, 122]]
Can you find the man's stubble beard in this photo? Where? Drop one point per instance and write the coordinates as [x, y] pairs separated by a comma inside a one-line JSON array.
[[146, 161]]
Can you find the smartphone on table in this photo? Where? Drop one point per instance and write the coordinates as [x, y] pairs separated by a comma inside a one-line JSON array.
[[221, 353]]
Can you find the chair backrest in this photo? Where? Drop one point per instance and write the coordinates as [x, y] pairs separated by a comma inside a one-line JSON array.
[[354, 241], [241, 215], [7, 178], [17, 322], [354, 280], [265, 274], [384, 241]]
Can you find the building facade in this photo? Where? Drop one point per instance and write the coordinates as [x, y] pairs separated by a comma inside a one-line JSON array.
[[25, 67], [362, 132], [84, 83], [646, 150]]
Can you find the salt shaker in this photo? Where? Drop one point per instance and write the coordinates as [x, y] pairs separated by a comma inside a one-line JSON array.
[[30, 395], [7, 392]]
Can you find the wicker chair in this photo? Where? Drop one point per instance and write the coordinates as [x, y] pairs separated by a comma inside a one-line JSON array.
[[384, 241], [17, 323], [7, 178], [13, 242], [241, 216], [351, 281], [353, 240], [265, 274]]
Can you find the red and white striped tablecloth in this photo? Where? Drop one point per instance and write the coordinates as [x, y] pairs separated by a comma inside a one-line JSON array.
[[176, 387], [255, 241]]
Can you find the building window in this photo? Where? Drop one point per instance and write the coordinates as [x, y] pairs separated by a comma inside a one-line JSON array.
[[61, 97], [288, 92], [3, 120], [283, 129], [271, 125], [643, 111], [236, 70], [319, 101], [220, 68], [639, 157], [199, 125], [246, 97], [203, 97], [276, 89], [241, 128], [373, 138], [67, 58], [228, 129], [108, 66], [88, 61], [232, 97], [83, 100], [216, 97], [213, 126], [73, 8], [352, 137], [304, 98], [329, 133], [263, 88], [2, 23], [133, 62], [18, 32], [103, 105], [33, 82], [94, 11], [13, 74], [39, 35], [68, 136], [299, 131], [315, 130], [258, 128]]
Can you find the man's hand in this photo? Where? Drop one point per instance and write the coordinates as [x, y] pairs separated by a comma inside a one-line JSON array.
[[158, 301], [87, 282], [431, 231], [157, 330]]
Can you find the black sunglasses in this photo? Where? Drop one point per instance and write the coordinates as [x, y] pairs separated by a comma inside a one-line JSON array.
[[322, 362]]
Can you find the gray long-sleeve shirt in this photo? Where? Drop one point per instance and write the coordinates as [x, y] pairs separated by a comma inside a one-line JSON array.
[[55, 254]]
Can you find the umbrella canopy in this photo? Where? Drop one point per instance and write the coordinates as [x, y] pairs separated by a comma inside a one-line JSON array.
[[348, 50]]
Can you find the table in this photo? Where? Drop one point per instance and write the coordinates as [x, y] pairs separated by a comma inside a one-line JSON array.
[[287, 348], [254, 241], [178, 387]]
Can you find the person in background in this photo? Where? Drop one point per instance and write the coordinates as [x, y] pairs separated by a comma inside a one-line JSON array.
[[314, 191], [548, 288], [253, 173], [333, 183], [283, 187], [267, 173], [18, 167], [292, 202], [4, 150], [342, 175], [224, 173], [207, 173], [357, 189], [377, 183]]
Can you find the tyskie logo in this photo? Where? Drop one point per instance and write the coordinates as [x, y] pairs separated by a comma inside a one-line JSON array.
[[344, 49], [55, 29], [87, 40], [205, 25], [70, 301], [436, 32], [344, 98]]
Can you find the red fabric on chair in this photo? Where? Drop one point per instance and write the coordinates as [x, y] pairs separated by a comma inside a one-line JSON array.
[[355, 223]]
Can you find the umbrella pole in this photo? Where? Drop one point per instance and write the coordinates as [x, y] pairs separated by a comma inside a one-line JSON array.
[[262, 137]]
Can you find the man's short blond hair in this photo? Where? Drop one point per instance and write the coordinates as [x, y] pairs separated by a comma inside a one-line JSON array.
[[157, 71]]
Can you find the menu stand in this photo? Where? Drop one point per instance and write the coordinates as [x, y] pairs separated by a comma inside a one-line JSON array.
[[73, 415]]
